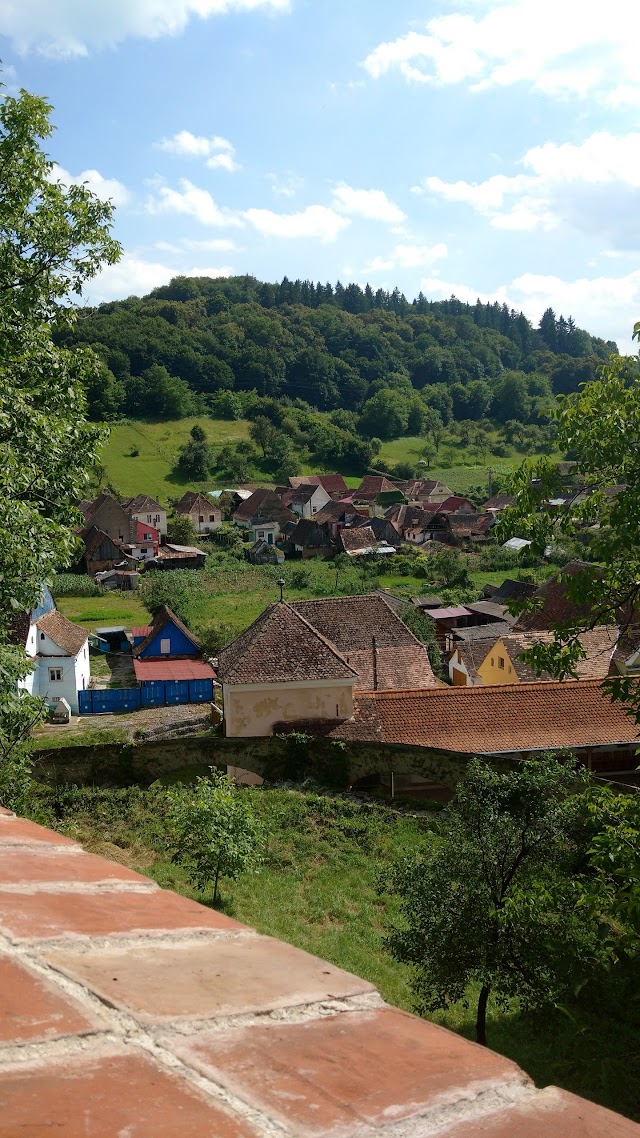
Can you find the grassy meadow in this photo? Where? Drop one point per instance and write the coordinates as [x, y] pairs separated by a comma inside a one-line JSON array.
[[152, 469]]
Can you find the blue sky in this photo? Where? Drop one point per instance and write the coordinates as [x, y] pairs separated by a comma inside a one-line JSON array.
[[478, 147]]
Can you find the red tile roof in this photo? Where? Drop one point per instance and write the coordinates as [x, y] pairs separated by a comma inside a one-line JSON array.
[[493, 719], [172, 670], [135, 1011], [552, 602], [332, 483], [282, 647], [371, 486]]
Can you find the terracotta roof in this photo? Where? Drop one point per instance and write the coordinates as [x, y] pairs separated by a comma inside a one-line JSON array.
[[552, 604], [500, 718], [147, 670], [599, 643], [352, 623], [259, 500], [70, 637], [281, 646], [462, 525], [371, 486], [142, 502], [332, 483], [163, 616], [301, 495], [405, 517], [140, 630], [191, 501], [257, 1037]]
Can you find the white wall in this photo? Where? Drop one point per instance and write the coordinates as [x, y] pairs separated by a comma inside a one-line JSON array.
[[75, 671], [157, 521]]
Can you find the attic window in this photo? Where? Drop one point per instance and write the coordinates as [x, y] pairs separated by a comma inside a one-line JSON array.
[[165, 647], [501, 661], [493, 663], [42, 635], [148, 517]]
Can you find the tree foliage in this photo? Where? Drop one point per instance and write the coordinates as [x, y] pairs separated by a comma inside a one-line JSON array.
[[217, 832], [492, 901], [53, 238]]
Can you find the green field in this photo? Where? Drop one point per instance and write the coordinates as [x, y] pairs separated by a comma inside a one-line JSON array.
[[111, 609], [152, 470]]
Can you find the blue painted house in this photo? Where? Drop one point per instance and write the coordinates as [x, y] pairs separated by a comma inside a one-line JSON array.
[[167, 652]]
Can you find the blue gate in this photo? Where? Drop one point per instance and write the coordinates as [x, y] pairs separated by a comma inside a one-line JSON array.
[[153, 693]]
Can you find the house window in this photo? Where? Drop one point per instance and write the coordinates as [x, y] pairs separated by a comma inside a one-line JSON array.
[[200, 517], [146, 537], [314, 509], [493, 663], [501, 661], [149, 518], [55, 675], [165, 647], [269, 539], [42, 635], [212, 517]]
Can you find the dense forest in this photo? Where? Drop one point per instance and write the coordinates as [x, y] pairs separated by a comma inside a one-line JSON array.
[[376, 365]]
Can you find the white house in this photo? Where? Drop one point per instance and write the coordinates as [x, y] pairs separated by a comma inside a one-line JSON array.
[[146, 510], [60, 651], [306, 500]]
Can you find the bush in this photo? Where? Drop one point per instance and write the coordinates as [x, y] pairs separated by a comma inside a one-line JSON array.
[[75, 585]]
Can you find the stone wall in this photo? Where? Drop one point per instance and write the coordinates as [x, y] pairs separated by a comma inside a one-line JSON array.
[[273, 758]]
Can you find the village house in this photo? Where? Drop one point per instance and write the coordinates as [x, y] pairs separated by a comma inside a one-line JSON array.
[[418, 490], [59, 651], [203, 514], [383, 530], [264, 514], [412, 522], [339, 515], [171, 556], [107, 514], [334, 484], [145, 509], [372, 492], [497, 504], [305, 500], [499, 661], [102, 552], [144, 545], [165, 651], [361, 541], [310, 539], [305, 659]]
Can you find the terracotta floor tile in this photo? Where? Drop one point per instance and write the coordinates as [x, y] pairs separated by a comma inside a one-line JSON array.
[[226, 977], [121, 1096], [31, 1009], [18, 831], [334, 1074], [551, 1113], [29, 866], [39, 915]]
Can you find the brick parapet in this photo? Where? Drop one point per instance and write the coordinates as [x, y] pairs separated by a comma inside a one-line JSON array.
[[131, 1010]]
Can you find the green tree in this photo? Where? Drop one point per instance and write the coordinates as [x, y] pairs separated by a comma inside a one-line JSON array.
[[178, 590], [53, 239], [491, 905], [263, 433], [181, 530], [601, 425], [386, 415], [195, 460], [217, 832], [198, 434]]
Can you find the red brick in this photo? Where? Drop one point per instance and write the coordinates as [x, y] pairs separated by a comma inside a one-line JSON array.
[[214, 978], [31, 1008], [109, 1096], [40, 915], [20, 832], [334, 1074], [552, 1113], [29, 866]]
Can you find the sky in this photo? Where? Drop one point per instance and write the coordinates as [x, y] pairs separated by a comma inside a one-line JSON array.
[[482, 148]]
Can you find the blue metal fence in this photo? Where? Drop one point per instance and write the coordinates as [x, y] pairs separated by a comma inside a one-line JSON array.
[[154, 693]]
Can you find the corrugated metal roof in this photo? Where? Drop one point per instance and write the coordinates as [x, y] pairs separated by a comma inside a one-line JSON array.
[[449, 613]]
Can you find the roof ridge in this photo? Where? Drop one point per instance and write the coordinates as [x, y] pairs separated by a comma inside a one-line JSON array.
[[459, 690]]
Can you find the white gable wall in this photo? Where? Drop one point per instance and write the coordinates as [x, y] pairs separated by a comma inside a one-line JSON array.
[[49, 660]]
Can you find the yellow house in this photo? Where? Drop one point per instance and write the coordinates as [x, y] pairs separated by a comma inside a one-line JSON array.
[[500, 661]]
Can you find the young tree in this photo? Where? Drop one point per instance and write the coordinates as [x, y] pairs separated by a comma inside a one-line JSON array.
[[492, 901], [198, 434], [263, 432], [218, 834], [181, 530], [53, 238], [195, 460]]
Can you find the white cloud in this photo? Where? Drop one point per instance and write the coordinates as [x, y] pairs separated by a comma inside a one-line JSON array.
[[70, 28], [216, 245], [317, 221], [570, 47], [605, 306], [218, 152], [374, 205], [407, 257], [593, 186], [133, 276], [193, 202], [109, 189], [286, 186]]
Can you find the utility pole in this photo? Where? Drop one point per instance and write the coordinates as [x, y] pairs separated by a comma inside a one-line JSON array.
[[490, 481]]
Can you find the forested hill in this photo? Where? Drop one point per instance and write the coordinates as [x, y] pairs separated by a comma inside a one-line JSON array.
[[185, 347]]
